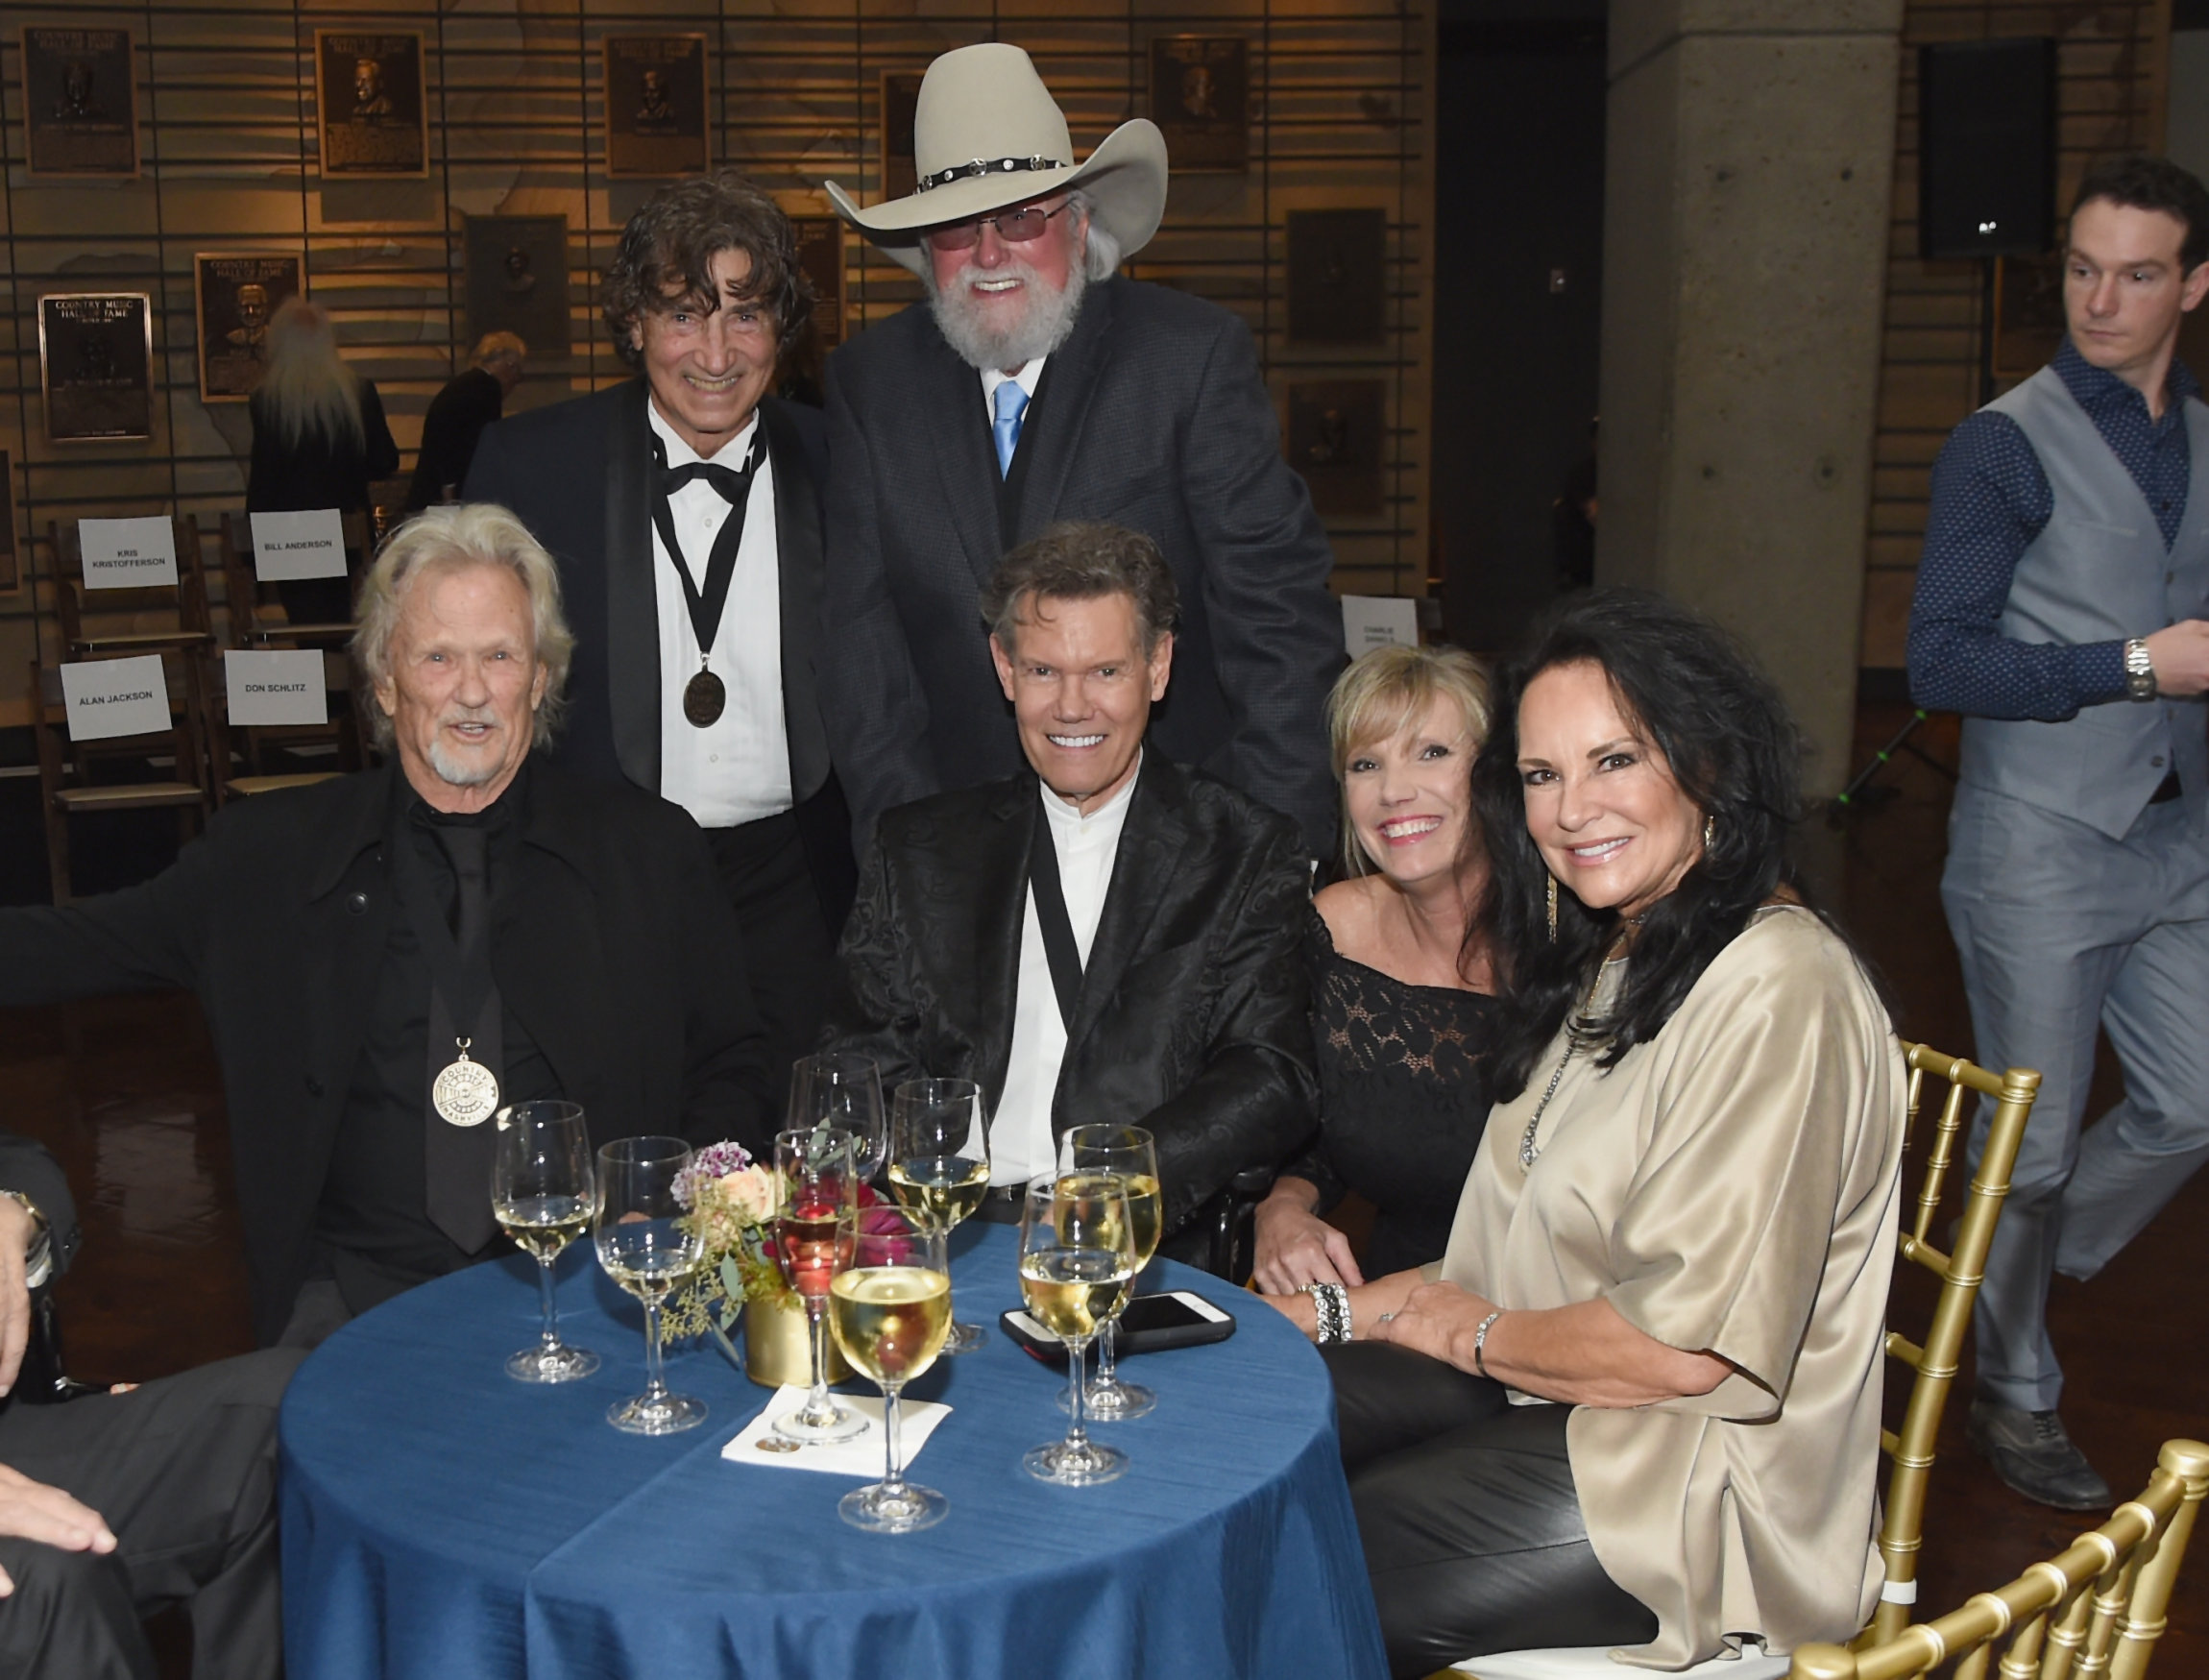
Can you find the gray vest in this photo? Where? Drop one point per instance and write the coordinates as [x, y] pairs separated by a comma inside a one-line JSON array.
[[2099, 572]]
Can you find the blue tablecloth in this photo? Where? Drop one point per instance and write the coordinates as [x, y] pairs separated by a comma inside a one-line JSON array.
[[442, 1520]]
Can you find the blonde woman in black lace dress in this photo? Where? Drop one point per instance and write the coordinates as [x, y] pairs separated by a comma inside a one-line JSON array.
[[1400, 1007]]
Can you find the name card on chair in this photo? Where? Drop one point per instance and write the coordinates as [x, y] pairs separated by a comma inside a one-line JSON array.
[[1378, 620], [284, 687], [129, 554], [108, 698], [291, 546]]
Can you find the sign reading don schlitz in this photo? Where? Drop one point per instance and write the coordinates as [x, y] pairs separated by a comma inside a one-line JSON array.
[[95, 365], [368, 94], [284, 687], [108, 698], [80, 102]]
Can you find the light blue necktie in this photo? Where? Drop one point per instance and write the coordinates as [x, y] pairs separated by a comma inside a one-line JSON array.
[[1011, 403]]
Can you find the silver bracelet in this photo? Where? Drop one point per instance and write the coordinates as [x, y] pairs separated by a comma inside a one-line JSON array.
[[1331, 1304], [1480, 1342]]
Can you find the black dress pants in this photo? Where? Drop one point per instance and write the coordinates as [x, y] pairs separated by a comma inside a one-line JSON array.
[[183, 1471], [788, 949], [1467, 1510]]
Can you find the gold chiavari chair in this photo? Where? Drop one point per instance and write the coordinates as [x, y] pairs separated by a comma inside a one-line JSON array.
[[2096, 1609]]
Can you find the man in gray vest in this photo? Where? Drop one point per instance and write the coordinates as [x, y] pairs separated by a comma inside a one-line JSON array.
[[2060, 607]]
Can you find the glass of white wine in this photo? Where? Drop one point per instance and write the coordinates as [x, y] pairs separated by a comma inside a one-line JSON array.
[[841, 1091], [890, 1310], [1129, 1153], [544, 1193], [648, 1246], [813, 1242], [939, 1163], [1077, 1261]]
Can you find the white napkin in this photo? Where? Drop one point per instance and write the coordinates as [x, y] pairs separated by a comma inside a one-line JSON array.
[[861, 1454]]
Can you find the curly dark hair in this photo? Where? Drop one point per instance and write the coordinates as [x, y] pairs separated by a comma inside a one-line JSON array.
[[1695, 695], [665, 257], [2145, 182], [1082, 560]]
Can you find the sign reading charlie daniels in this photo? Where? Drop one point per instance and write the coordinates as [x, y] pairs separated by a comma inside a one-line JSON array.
[[95, 365], [79, 101], [368, 93], [237, 295]]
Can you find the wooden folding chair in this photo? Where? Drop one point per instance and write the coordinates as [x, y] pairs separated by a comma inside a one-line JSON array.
[[2095, 1609], [256, 617], [128, 620], [69, 784], [251, 758]]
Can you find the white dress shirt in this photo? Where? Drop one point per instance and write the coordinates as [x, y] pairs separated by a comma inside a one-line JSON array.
[[1026, 378], [1021, 1146], [738, 769]]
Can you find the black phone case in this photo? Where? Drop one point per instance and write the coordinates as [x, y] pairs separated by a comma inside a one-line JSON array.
[[1053, 1352]]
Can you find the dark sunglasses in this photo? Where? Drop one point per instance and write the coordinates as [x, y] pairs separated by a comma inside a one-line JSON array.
[[1013, 227]]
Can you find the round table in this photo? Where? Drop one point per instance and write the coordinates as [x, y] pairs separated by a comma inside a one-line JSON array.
[[443, 1521]]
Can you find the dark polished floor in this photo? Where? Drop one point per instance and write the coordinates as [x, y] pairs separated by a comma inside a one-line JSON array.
[[124, 1091]]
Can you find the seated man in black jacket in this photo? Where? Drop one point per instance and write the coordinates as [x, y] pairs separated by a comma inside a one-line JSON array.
[[115, 1505], [1108, 936], [387, 958]]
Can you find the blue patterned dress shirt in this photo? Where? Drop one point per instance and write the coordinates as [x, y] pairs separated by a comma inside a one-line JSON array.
[[1990, 500]]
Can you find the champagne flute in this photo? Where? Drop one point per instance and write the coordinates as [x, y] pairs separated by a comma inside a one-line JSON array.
[[647, 1247], [813, 1232], [939, 1163], [890, 1310], [544, 1194], [845, 1091], [1130, 1154], [1077, 1260]]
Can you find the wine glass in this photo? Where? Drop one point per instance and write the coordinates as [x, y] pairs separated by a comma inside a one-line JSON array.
[[841, 1091], [1129, 1153], [648, 1246], [939, 1163], [813, 1242], [890, 1310], [543, 1193], [1077, 1260]]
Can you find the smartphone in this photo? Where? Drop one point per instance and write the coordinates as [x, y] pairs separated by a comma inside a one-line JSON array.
[[1150, 1323]]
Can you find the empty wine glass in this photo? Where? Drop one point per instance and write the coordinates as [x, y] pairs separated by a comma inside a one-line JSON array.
[[1130, 1154], [544, 1194], [939, 1163], [648, 1246], [1077, 1260], [813, 1242], [841, 1091], [891, 1309]]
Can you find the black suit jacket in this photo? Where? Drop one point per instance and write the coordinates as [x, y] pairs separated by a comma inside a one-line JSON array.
[[1192, 1019], [580, 477], [451, 429], [1153, 414], [26, 1166], [615, 947]]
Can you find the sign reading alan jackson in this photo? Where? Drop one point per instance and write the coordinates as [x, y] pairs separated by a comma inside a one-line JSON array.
[[655, 105], [237, 294], [96, 364], [368, 96], [79, 101]]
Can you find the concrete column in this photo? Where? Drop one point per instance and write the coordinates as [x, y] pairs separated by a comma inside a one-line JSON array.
[[1748, 178]]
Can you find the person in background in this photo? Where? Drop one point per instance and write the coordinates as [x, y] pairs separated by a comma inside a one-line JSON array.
[[1401, 1010], [457, 416], [319, 438]]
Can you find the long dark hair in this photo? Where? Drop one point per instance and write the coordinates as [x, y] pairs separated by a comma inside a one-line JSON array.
[[1692, 691]]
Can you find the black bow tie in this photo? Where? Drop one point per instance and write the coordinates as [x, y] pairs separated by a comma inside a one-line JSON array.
[[732, 485]]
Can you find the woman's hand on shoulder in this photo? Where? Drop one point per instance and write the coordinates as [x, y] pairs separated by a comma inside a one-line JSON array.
[[1296, 1246]]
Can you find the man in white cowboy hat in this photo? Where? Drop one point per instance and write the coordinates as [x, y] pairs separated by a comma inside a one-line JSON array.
[[1039, 385]]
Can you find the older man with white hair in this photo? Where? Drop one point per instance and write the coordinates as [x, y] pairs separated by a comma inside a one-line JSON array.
[[386, 959], [1040, 385]]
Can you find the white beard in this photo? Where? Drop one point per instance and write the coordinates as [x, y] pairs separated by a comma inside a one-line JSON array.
[[1045, 320]]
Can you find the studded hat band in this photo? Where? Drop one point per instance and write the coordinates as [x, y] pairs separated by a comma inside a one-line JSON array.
[[995, 166]]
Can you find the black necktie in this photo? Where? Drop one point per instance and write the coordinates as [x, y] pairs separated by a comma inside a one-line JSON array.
[[458, 1157]]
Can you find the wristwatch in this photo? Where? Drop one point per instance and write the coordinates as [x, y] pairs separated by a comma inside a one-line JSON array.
[[2139, 671], [38, 1257]]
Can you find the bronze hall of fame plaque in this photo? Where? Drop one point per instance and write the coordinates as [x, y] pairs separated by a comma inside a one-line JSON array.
[[1338, 276], [96, 365], [235, 293], [655, 104], [368, 97], [1337, 438], [900, 101], [1201, 99], [820, 253], [517, 279], [79, 101]]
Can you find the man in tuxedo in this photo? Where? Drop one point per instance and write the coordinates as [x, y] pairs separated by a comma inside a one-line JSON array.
[[684, 509], [1039, 386], [116, 1505], [386, 959], [1107, 934]]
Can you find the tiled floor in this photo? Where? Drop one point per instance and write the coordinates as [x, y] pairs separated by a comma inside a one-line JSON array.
[[125, 1092]]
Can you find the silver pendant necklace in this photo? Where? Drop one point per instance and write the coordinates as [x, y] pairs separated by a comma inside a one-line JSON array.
[[1528, 1149]]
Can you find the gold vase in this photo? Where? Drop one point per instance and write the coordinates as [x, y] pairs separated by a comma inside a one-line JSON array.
[[776, 1350]]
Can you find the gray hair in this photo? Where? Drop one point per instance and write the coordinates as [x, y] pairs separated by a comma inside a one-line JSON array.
[[499, 347], [448, 539], [1083, 560], [1101, 254]]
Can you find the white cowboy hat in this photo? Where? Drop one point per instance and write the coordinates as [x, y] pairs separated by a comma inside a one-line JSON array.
[[987, 135]]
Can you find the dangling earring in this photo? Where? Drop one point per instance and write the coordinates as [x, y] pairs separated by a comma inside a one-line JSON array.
[[1710, 829], [1552, 910]]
